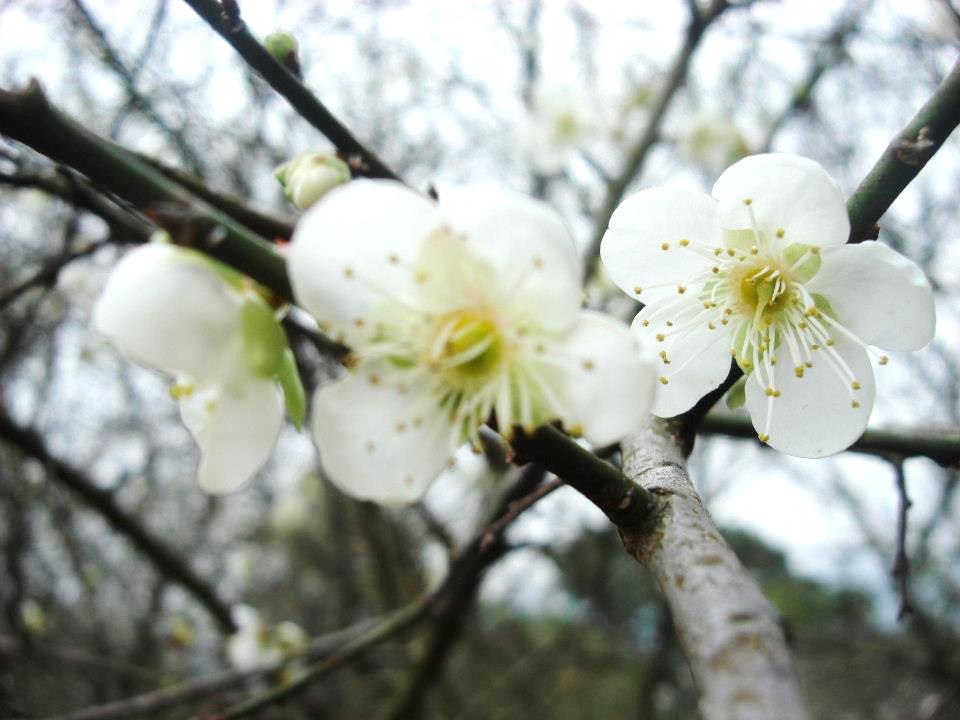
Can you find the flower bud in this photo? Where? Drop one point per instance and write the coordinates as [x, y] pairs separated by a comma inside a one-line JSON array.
[[284, 47], [310, 176]]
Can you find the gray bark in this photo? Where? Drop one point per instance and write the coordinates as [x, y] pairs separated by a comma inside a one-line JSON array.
[[730, 633]]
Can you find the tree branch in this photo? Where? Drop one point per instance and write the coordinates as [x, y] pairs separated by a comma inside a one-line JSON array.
[[164, 559], [904, 157], [231, 28], [27, 116], [199, 689], [941, 447], [729, 631], [699, 22]]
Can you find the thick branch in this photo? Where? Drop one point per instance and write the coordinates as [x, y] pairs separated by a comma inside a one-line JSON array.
[[904, 157], [729, 631], [164, 559], [699, 22], [941, 447], [361, 160]]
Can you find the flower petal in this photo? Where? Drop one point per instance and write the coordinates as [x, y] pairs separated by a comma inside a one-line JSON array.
[[236, 426], [878, 294], [528, 247], [788, 193], [355, 250], [379, 438], [813, 416], [633, 251], [699, 358], [169, 309], [609, 386]]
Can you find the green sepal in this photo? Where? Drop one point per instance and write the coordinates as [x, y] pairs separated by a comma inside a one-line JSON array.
[[294, 396], [737, 395], [808, 268], [264, 341]]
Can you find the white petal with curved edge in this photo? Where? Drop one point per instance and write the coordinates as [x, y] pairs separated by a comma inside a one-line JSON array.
[[378, 438], [235, 426], [632, 248], [355, 250], [813, 416], [531, 252], [609, 383], [166, 308], [788, 193], [878, 294], [699, 358]]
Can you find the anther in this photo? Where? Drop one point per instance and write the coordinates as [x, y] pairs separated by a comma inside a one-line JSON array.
[[854, 404], [798, 371], [645, 323], [637, 290], [587, 364], [374, 379], [883, 360], [779, 232], [747, 201], [715, 269], [665, 246], [660, 337], [348, 272], [393, 259], [684, 242], [855, 385], [664, 380], [681, 289], [763, 437]]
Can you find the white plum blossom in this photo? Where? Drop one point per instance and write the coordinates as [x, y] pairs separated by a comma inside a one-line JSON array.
[[255, 644], [712, 141], [761, 271], [175, 311], [562, 119], [310, 176], [453, 311]]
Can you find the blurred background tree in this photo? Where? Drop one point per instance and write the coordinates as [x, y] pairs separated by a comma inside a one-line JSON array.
[[118, 574]]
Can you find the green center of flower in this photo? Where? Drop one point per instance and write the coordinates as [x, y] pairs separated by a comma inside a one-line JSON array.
[[566, 126], [763, 290], [467, 348]]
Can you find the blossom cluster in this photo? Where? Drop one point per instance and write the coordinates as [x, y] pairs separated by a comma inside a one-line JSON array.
[[467, 311]]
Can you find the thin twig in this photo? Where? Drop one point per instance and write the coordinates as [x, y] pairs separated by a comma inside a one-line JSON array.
[[697, 26], [901, 561], [941, 446], [163, 558], [516, 507], [199, 689], [231, 28]]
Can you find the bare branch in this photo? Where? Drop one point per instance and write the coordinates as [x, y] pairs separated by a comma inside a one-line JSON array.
[[699, 22], [901, 561], [164, 559], [943, 447], [228, 25], [905, 157]]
